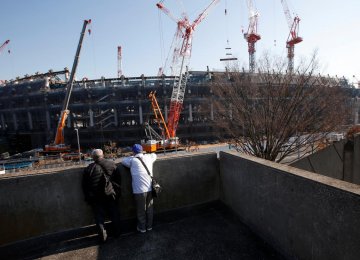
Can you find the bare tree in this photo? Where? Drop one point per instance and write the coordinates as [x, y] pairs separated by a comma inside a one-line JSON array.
[[273, 114]]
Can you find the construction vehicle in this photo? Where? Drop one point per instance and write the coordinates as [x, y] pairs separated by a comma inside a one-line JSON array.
[[155, 141], [181, 58], [58, 146], [293, 37], [251, 36]]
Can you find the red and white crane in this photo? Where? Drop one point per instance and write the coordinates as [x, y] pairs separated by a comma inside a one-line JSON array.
[[180, 61], [2, 47], [119, 60], [293, 37], [251, 36]]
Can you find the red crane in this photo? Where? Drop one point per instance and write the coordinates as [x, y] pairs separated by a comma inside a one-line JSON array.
[[119, 59], [181, 59], [251, 36], [293, 37], [2, 47]]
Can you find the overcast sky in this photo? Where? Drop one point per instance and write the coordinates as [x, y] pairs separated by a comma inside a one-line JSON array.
[[44, 34]]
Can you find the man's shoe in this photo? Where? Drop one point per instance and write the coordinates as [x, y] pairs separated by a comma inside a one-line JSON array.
[[140, 230]]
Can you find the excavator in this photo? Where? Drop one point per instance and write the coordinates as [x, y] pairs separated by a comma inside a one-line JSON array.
[[59, 146]]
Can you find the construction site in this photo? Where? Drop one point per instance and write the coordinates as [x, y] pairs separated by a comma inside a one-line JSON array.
[[54, 113], [293, 193]]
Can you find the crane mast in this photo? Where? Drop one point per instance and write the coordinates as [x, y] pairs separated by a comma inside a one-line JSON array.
[[251, 36], [119, 59], [2, 47], [293, 37], [181, 59], [59, 144]]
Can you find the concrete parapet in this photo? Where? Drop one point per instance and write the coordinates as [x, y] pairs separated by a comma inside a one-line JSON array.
[[328, 161], [339, 160], [304, 215], [356, 160], [41, 204]]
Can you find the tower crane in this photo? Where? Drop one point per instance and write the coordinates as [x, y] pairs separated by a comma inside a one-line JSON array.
[[181, 59], [293, 37], [2, 47], [251, 36], [59, 145]]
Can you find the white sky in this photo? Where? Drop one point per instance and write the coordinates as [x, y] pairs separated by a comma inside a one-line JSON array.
[[44, 34]]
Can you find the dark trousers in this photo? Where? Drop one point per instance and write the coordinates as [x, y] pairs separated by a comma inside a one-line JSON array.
[[144, 210], [103, 207]]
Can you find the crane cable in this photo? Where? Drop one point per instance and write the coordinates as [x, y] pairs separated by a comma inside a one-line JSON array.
[[227, 24], [161, 33], [90, 32], [162, 45], [11, 59], [275, 24], [227, 48]]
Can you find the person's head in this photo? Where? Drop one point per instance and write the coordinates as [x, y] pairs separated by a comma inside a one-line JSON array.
[[97, 154], [137, 148]]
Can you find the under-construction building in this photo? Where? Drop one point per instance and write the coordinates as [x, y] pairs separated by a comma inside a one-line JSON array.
[[103, 110]]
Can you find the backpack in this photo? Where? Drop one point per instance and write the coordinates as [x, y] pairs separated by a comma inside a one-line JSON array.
[[112, 183]]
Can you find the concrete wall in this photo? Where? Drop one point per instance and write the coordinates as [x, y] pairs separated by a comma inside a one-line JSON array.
[[328, 161], [46, 203], [304, 215], [339, 160]]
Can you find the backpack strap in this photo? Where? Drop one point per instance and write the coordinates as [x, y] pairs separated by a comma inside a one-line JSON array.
[[92, 169], [146, 168]]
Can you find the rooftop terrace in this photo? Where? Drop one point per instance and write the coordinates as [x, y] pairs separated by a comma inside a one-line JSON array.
[[231, 207], [209, 231]]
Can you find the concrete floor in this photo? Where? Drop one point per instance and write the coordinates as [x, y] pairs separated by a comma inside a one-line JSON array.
[[207, 233]]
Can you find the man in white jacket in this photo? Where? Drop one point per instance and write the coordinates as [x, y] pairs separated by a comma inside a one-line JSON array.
[[141, 185]]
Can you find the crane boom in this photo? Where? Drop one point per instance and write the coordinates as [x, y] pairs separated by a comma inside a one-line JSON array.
[[166, 11], [58, 144], [184, 51], [74, 67], [2, 47], [288, 17], [158, 115], [251, 36], [204, 13], [293, 37]]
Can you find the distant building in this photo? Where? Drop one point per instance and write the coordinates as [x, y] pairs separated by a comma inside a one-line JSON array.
[[104, 110]]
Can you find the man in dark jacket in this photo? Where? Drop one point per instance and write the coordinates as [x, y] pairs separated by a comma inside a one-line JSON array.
[[93, 187]]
